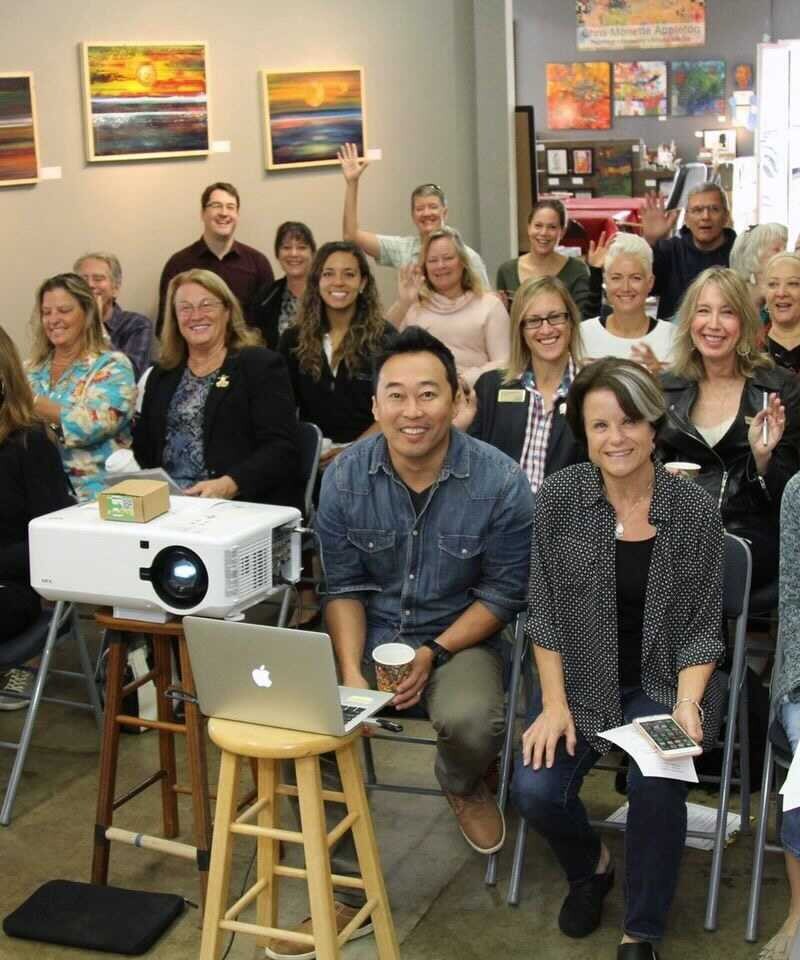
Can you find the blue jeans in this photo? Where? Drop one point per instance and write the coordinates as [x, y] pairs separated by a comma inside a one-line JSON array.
[[789, 715], [655, 834]]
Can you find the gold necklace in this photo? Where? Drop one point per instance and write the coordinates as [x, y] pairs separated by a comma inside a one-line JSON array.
[[619, 529]]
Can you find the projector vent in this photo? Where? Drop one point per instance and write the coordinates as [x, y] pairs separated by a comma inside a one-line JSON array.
[[248, 568]]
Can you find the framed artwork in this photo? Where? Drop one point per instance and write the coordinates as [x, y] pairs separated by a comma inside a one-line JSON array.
[[19, 157], [579, 96], [640, 88], [525, 149], [743, 76], [582, 161], [698, 87], [557, 165], [640, 24], [145, 101], [613, 170], [309, 114], [722, 141]]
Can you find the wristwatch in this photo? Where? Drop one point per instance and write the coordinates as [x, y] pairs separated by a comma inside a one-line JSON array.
[[440, 654]]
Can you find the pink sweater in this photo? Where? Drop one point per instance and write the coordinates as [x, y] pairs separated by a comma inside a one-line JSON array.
[[476, 328]]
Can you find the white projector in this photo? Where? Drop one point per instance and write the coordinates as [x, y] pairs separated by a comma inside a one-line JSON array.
[[209, 557]]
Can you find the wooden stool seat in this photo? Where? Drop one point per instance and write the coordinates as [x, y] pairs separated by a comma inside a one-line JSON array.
[[271, 746]]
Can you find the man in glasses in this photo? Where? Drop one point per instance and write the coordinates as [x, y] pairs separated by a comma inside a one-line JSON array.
[[705, 240], [428, 213], [243, 268]]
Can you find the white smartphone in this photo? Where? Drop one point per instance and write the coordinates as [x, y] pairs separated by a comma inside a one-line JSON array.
[[667, 736]]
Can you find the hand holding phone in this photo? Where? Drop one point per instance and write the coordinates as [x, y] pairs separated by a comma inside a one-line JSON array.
[[667, 736]]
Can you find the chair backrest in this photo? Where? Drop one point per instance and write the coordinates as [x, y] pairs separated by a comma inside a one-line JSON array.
[[689, 176], [736, 580], [310, 439]]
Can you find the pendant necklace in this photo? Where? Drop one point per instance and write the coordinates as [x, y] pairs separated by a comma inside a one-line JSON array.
[[619, 529]]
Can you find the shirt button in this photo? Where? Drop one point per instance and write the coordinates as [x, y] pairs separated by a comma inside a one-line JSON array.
[[370, 544], [463, 550], [407, 613], [411, 576], [413, 533]]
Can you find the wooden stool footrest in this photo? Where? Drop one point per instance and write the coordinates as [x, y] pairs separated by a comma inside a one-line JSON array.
[[358, 919], [247, 898], [148, 842], [236, 926], [252, 811], [271, 833], [332, 796], [337, 879], [341, 827], [126, 721], [139, 788]]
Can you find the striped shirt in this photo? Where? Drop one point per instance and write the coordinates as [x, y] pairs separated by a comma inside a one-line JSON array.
[[540, 423]]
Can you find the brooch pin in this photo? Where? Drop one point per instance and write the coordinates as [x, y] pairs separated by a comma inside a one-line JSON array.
[[562, 407], [223, 382]]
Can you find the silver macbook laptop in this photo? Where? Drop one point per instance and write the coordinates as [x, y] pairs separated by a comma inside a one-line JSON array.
[[273, 676]]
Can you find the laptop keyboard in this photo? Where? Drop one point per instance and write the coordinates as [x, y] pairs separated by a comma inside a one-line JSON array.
[[349, 713]]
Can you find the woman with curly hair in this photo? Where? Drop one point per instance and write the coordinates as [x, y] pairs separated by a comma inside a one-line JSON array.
[[338, 330]]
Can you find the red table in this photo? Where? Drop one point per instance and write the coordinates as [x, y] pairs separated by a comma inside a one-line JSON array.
[[600, 214]]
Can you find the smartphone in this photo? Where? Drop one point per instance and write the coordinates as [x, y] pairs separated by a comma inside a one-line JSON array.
[[667, 736]]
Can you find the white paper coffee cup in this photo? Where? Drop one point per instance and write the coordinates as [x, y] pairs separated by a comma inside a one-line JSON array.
[[393, 662], [682, 468]]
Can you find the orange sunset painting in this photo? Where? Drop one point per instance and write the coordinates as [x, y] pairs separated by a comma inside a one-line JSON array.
[[18, 161], [310, 114], [145, 100]]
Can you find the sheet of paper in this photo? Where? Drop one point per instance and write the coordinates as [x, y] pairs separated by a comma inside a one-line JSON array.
[[698, 817], [649, 760], [790, 791]]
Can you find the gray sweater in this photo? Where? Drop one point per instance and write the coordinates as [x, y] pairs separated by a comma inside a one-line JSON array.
[[788, 676]]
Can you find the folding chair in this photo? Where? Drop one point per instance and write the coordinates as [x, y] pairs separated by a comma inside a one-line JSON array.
[[49, 631], [736, 590]]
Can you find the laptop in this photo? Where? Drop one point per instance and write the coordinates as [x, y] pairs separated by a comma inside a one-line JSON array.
[[274, 677]]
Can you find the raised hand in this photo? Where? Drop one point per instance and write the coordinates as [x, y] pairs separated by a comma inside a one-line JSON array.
[[596, 257], [410, 279], [642, 353], [775, 417], [352, 165], [657, 221]]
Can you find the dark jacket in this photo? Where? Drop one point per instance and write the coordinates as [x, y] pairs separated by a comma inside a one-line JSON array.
[[249, 425], [677, 261], [503, 424], [266, 310], [728, 470]]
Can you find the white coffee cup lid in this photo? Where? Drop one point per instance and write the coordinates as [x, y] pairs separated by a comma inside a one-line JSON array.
[[682, 465], [393, 654], [121, 461]]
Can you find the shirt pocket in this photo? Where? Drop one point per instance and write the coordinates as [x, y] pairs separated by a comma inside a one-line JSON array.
[[459, 562], [376, 549]]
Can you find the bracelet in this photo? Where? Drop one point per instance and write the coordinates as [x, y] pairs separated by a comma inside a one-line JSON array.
[[696, 704]]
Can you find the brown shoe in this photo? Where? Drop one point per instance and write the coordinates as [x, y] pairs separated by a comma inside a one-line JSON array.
[[277, 949], [480, 819]]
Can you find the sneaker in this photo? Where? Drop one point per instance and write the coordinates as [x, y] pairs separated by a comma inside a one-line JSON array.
[[277, 949], [480, 819], [582, 909], [17, 681]]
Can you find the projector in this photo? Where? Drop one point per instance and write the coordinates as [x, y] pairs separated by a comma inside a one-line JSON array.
[[213, 558]]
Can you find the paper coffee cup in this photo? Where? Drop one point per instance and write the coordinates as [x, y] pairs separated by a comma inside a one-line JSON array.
[[680, 468], [393, 663], [122, 461]]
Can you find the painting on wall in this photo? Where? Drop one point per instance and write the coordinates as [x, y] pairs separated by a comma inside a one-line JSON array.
[[697, 87], [309, 114], [19, 161], [613, 170], [144, 101], [579, 96], [640, 88], [640, 24], [582, 161], [743, 76]]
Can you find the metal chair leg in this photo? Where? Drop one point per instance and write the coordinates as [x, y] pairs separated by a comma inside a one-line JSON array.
[[751, 931], [88, 673], [744, 758], [515, 882]]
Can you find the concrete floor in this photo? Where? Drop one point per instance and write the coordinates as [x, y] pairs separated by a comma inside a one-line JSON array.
[[441, 907]]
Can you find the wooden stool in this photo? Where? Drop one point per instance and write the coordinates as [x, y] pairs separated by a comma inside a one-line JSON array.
[[163, 634], [271, 746]]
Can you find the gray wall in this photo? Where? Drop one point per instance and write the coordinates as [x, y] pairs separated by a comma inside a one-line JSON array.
[[420, 94], [545, 31]]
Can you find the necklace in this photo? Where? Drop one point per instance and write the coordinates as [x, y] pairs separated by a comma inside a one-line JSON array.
[[619, 529]]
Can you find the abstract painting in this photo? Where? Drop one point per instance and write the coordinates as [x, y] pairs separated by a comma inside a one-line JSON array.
[[698, 87], [145, 100], [579, 96], [18, 154], [613, 170], [309, 114], [640, 24], [582, 161], [640, 88]]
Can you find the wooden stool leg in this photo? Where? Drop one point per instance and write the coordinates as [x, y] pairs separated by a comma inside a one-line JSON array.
[[367, 850], [268, 850], [162, 663], [109, 752], [318, 866], [220, 874], [198, 770]]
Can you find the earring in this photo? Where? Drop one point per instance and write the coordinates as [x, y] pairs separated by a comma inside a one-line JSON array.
[[743, 353]]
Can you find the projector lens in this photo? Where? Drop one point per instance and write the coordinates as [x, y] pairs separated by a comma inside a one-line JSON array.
[[179, 577]]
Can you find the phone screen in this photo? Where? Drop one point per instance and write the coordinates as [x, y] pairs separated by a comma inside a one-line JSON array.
[[667, 734]]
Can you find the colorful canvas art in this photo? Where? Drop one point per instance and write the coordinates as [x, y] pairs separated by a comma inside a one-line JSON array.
[[613, 170], [697, 87], [18, 154], [579, 96], [309, 114], [145, 100], [640, 24], [640, 88]]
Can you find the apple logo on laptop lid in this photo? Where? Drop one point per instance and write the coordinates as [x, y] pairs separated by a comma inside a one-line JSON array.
[[261, 677]]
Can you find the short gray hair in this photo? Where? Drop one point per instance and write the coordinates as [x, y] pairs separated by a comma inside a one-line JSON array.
[[629, 245], [709, 187], [108, 259], [748, 248]]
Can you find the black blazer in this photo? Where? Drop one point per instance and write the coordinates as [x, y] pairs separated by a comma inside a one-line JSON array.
[[503, 424], [249, 425], [266, 309]]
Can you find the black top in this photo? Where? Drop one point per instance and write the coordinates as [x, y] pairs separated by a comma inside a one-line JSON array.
[[32, 482], [340, 405], [266, 311], [419, 500], [788, 359], [633, 572], [677, 261]]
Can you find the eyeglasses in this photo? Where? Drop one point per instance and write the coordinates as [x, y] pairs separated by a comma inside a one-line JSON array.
[[554, 319], [205, 308], [218, 207], [711, 208]]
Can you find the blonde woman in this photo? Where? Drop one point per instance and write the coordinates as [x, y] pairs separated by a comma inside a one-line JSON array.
[[444, 296], [217, 412], [782, 291], [750, 253], [83, 390], [732, 411]]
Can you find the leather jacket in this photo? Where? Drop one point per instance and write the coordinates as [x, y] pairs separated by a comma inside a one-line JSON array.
[[728, 470]]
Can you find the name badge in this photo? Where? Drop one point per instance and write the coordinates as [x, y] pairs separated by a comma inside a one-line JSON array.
[[511, 396]]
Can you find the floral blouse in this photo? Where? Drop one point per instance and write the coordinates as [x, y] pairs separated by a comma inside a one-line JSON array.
[[184, 456], [97, 396]]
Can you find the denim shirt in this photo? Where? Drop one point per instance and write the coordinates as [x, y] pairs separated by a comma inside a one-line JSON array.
[[414, 574]]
